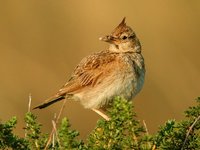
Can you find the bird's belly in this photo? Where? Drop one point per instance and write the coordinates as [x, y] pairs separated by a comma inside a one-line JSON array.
[[132, 86], [126, 85]]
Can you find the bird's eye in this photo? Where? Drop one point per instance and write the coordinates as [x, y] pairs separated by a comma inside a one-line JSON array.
[[124, 37]]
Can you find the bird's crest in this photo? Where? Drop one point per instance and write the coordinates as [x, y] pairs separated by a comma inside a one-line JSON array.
[[120, 28]]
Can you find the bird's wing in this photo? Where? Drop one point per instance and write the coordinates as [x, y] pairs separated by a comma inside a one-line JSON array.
[[90, 71]]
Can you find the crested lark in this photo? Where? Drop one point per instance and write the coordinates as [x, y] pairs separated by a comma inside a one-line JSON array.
[[99, 77]]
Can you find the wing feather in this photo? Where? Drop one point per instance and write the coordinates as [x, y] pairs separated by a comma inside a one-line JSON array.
[[90, 71]]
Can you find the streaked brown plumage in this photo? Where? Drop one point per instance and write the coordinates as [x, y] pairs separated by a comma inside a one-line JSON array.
[[99, 77]]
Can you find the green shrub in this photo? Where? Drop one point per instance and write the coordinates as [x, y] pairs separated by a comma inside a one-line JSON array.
[[122, 131]]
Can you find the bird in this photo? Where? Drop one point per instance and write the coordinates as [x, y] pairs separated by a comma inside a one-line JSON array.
[[118, 70]]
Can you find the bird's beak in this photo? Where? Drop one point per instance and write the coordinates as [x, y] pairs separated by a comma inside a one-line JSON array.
[[107, 38]]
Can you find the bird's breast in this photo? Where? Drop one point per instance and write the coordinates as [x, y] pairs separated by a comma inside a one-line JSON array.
[[134, 75]]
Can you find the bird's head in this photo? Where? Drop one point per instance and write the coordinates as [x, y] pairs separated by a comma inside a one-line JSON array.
[[122, 39]]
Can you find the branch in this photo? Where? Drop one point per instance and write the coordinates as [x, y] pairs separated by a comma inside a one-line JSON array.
[[190, 129]]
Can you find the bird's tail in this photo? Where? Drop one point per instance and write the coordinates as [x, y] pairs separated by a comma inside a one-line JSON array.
[[50, 101]]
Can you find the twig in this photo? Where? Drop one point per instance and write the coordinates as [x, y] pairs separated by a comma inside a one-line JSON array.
[[53, 136], [29, 110], [57, 119], [29, 102], [190, 129], [145, 127], [61, 110], [147, 133], [55, 129]]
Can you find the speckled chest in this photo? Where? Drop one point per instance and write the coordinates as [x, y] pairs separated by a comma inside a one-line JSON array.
[[133, 74]]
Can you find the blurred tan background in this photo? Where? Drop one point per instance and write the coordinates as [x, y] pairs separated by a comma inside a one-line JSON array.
[[42, 41]]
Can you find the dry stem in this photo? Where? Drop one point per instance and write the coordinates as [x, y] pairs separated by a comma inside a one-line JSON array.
[[190, 129], [53, 129]]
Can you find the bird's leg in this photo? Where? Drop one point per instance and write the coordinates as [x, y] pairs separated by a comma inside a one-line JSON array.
[[101, 114]]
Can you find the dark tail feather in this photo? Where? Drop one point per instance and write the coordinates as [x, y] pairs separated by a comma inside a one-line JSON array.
[[50, 102]]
